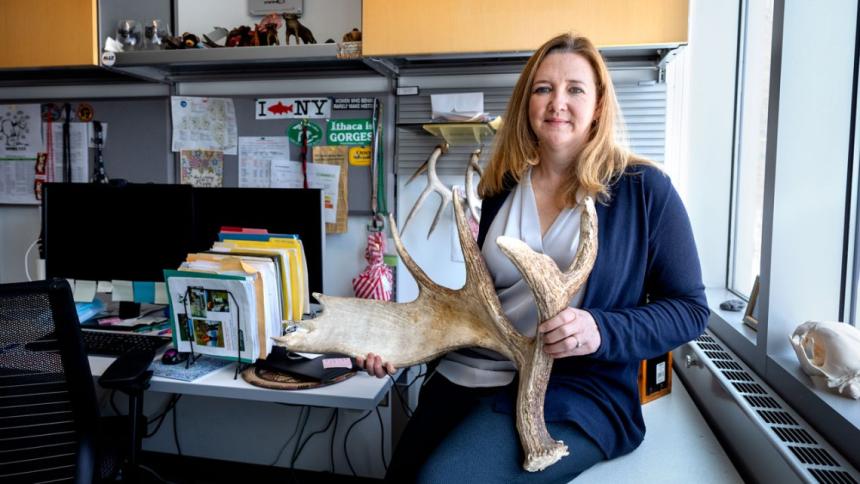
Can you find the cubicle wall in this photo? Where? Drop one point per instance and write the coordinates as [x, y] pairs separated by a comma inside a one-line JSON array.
[[643, 107]]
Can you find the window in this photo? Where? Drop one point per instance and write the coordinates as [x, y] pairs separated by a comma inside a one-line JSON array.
[[750, 143]]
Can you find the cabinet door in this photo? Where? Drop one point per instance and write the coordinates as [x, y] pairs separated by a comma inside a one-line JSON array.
[[458, 26], [48, 33]]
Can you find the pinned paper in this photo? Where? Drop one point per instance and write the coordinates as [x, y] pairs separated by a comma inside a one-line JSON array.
[[122, 291], [201, 168], [161, 293], [359, 155], [458, 107], [85, 291], [20, 136], [144, 292]]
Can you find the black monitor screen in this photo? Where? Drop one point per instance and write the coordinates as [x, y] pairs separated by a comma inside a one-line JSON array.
[[278, 210], [125, 232]]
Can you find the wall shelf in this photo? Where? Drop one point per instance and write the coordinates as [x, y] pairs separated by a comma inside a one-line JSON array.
[[246, 63]]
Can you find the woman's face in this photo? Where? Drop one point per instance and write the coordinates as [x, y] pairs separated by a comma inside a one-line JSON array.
[[562, 102]]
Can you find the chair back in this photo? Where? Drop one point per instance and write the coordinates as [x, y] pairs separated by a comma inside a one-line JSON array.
[[48, 408]]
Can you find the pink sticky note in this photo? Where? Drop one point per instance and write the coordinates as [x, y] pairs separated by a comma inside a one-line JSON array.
[[337, 363]]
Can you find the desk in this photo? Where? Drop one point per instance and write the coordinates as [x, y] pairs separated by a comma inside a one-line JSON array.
[[361, 392], [232, 420]]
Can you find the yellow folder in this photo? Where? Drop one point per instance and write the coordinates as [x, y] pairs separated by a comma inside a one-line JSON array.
[[292, 310], [298, 275]]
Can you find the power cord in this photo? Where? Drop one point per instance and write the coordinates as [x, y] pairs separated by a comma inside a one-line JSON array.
[[284, 447], [299, 448], [27, 259], [176, 433], [346, 439], [174, 399], [154, 474], [381, 439], [333, 434]]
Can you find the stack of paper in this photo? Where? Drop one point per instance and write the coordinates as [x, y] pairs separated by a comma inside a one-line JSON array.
[[230, 301]]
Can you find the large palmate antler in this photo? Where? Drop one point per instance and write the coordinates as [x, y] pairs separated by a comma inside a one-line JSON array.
[[433, 185], [440, 320]]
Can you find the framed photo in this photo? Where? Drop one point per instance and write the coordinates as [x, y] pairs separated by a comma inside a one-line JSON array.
[[751, 315]]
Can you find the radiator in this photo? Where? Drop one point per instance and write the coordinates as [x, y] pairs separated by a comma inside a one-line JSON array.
[[765, 438]]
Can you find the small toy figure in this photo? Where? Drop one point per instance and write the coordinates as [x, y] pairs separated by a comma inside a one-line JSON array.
[[352, 36], [294, 27], [239, 37]]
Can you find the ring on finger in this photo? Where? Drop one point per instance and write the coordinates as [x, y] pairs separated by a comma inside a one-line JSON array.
[[578, 343]]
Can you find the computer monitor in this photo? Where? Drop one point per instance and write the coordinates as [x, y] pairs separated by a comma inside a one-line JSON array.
[[129, 232], [278, 210], [135, 231]]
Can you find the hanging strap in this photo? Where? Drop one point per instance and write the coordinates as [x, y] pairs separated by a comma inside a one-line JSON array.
[[305, 151], [377, 222], [67, 142]]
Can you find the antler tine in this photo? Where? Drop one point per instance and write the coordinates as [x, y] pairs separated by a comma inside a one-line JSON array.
[[433, 184], [543, 275], [440, 188], [446, 199], [421, 277], [421, 169], [418, 203], [471, 195]]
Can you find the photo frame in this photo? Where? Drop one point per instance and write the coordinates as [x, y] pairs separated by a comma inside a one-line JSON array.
[[751, 314]]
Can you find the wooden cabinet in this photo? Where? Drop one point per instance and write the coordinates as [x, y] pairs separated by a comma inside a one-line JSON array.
[[472, 26], [48, 33]]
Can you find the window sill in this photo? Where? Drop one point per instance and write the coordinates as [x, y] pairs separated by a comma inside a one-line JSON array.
[[734, 319], [835, 417]]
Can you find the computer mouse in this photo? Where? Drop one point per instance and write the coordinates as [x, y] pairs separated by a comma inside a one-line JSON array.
[[172, 357]]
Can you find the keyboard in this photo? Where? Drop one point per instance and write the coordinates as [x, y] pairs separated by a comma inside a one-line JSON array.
[[107, 343]]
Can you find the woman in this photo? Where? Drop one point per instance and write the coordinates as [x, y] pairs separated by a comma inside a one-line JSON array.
[[643, 297]]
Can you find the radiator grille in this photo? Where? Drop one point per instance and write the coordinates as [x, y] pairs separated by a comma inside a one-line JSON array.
[[807, 452]]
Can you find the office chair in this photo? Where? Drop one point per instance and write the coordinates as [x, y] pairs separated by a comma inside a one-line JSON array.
[[50, 427]]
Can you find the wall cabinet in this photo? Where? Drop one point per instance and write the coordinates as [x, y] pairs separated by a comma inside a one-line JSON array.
[[454, 26], [48, 33]]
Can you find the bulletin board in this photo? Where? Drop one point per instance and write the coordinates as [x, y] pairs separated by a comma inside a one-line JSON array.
[[136, 146], [139, 141]]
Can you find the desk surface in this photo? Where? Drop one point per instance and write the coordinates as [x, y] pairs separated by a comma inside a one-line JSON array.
[[361, 392]]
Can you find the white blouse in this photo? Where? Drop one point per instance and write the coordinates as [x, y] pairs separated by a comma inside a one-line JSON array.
[[518, 217]]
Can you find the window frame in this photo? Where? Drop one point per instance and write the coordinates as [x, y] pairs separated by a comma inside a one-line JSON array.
[[768, 351]]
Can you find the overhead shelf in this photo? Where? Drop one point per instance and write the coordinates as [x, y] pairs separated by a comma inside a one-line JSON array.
[[302, 61], [289, 61]]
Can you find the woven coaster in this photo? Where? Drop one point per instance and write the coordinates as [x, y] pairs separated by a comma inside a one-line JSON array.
[[283, 381]]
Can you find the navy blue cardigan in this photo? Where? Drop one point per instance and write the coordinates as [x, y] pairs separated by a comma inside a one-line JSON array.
[[646, 295]]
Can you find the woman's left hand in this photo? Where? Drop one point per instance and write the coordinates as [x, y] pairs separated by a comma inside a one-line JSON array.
[[571, 332]]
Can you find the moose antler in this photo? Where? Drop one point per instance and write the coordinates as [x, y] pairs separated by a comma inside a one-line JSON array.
[[440, 320], [433, 185], [472, 199]]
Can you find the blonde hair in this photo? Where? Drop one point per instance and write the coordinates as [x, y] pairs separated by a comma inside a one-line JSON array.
[[602, 159]]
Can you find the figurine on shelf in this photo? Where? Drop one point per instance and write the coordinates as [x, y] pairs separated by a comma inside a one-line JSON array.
[[190, 41], [294, 27], [239, 37], [186, 41], [352, 36], [267, 30]]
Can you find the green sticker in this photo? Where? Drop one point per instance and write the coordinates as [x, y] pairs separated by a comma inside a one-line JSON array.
[[294, 133], [350, 132]]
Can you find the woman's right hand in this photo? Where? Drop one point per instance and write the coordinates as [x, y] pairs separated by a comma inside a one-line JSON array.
[[374, 365]]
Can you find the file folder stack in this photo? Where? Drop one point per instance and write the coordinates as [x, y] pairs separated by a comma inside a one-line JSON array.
[[230, 301]]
